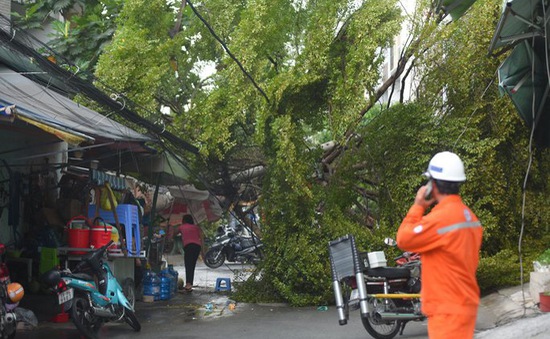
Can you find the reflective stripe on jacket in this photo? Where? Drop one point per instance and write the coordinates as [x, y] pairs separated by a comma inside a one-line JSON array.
[[448, 239]]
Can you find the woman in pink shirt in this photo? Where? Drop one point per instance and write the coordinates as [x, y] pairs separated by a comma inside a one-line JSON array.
[[192, 239]]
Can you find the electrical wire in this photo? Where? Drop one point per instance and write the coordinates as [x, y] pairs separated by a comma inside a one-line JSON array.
[[84, 86], [531, 137], [228, 51], [473, 112], [530, 148]]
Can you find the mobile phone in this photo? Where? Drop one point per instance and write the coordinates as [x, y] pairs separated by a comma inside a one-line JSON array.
[[428, 192]]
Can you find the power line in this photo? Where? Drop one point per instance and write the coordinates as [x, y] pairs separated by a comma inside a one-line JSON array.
[[228, 51], [13, 41]]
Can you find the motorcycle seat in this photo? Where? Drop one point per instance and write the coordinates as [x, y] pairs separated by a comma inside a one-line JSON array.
[[81, 276], [389, 272]]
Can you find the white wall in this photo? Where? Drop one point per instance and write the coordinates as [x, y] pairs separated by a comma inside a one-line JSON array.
[[392, 55]]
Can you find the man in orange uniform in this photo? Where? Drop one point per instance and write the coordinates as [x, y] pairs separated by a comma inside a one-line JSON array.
[[448, 239]]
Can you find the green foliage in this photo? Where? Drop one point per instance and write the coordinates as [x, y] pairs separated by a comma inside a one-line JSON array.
[[503, 269], [544, 258], [138, 56], [485, 130], [86, 28], [318, 63], [499, 270]]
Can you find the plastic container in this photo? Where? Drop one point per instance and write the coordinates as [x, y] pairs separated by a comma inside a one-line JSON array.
[[544, 304], [165, 285], [78, 239], [100, 235], [377, 259], [151, 285], [156, 287], [128, 217], [175, 276], [78, 234], [48, 259]]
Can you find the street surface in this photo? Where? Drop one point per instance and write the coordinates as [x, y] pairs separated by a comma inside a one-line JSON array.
[[187, 316]]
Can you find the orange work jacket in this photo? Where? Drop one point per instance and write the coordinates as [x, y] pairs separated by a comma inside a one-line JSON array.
[[448, 239]]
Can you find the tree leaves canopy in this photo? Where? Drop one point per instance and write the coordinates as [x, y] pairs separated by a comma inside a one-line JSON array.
[[313, 68]]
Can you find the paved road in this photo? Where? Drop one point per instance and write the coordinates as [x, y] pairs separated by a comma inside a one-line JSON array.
[[171, 320], [185, 316]]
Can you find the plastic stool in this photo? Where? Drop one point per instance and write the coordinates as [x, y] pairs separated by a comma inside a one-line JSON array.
[[128, 217], [62, 317], [223, 284]]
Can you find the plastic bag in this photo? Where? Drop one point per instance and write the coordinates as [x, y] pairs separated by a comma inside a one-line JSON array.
[[107, 196]]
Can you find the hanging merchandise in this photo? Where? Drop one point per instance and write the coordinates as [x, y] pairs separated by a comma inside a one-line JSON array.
[[108, 199], [115, 237], [15, 200]]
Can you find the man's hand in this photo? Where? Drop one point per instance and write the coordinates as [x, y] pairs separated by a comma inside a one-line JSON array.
[[421, 200]]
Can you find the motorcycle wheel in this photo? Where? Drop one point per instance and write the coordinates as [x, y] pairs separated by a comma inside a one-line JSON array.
[[87, 324], [380, 329], [131, 319], [129, 291], [8, 330], [259, 255], [9, 333], [214, 258]]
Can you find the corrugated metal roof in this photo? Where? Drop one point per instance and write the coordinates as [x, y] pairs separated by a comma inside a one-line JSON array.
[[45, 106]]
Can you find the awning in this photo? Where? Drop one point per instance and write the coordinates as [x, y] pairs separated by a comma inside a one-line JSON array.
[[522, 76], [59, 115], [70, 137], [520, 19], [455, 8], [202, 205], [163, 168]]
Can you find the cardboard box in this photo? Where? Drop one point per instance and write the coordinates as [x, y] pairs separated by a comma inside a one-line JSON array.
[[51, 217], [69, 208]]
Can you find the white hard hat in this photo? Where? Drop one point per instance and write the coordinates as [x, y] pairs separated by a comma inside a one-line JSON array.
[[446, 166]]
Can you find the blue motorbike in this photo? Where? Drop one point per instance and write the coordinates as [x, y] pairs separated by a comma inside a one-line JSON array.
[[91, 294]]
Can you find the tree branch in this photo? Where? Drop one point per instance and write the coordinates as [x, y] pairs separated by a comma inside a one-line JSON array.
[[179, 20]]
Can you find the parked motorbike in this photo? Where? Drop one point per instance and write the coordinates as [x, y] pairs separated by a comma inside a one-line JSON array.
[[234, 246], [388, 297], [406, 257], [92, 294], [11, 294]]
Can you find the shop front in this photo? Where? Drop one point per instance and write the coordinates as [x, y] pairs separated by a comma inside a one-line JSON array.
[[56, 160]]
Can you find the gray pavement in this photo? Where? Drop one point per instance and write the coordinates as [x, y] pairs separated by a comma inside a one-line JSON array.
[[205, 313], [514, 315]]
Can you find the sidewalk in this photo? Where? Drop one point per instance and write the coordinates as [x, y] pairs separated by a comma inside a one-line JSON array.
[[192, 305], [514, 315]]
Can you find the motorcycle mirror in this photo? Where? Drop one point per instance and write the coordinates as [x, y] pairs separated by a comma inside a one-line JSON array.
[[390, 242]]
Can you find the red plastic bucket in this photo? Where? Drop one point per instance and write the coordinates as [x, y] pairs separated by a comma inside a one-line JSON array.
[[100, 235], [544, 302], [78, 238], [78, 233]]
